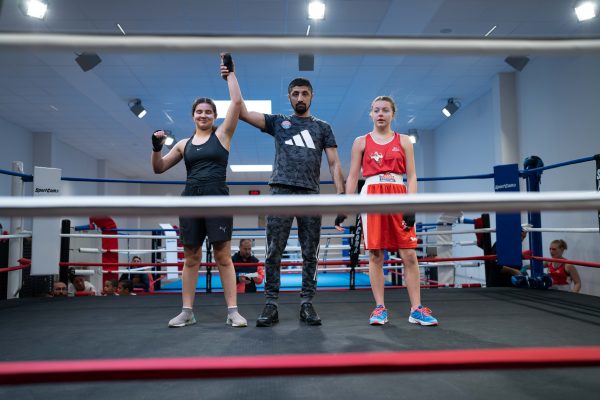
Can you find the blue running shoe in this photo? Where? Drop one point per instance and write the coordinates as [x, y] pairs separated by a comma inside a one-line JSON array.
[[422, 316], [379, 316]]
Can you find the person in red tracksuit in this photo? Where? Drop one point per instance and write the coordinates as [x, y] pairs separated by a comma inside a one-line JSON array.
[[561, 273], [384, 157]]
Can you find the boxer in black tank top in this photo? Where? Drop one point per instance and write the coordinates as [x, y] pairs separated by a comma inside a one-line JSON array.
[[205, 155]]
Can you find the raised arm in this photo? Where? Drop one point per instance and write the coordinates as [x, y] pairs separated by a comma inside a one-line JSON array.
[[227, 128], [159, 163], [254, 118]]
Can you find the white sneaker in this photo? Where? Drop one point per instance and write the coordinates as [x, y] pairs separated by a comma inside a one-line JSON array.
[[236, 320], [183, 319]]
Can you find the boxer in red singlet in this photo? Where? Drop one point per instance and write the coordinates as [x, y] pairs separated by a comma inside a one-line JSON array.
[[385, 156], [561, 272]]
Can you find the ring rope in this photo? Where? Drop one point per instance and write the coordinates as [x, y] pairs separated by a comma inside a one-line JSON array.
[[565, 230], [297, 205], [564, 261], [31, 372], [283, 264], [16, 236], [329, 45]]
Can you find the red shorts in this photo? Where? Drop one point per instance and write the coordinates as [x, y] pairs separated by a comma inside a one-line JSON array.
[[385, 232]]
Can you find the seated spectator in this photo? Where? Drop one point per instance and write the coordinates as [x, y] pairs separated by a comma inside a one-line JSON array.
[[501, 274], [59, 289], [125, 288], [247, 277], [140, 281], [110, 288], [79, 286], [563, 275]]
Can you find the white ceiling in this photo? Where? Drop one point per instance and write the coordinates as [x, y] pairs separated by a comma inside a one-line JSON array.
[[48, 92]]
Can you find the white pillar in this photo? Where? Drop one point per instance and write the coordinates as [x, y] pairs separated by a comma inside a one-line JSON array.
[[506, 122], [15, 249]]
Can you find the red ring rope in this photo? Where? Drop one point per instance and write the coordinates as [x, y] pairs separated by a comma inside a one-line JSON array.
[[29, 372], [564, 261]]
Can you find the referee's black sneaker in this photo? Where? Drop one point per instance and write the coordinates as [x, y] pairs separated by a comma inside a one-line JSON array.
[[269, 316], [309, 315]]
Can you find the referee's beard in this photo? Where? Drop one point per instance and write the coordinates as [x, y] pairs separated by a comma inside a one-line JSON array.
[[301, 108]]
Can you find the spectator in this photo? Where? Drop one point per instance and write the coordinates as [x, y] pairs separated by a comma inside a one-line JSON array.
[[500, 275], [247, 277], [562, 274], [125, 288], [79, 286], [140, 281], [110, 288], [59, 289]]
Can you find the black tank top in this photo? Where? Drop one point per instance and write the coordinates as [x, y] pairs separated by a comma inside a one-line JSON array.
[[206, 162]]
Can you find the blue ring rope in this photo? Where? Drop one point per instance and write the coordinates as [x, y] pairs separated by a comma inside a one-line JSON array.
[[522, 173]]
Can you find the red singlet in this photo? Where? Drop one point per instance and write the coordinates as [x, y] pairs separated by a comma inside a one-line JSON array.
[[383, 166], [558, 274]]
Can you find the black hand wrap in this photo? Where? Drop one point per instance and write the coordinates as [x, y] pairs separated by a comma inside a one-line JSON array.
[[409, 220], [228, 62], [340, 219], [157, 143]]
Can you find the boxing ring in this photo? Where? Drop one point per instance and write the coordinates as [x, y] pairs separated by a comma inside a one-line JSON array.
[[477, 319], [491, 342]]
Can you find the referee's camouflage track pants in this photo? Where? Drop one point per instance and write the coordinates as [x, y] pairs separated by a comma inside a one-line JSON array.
[[278, 232]]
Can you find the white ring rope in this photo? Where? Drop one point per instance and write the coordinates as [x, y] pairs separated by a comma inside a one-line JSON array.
[[565, 230], [328, 45], [457, 232], [149, 251], [209, 206], [122, 236], [16, 236], [116, 236], [322, 236]]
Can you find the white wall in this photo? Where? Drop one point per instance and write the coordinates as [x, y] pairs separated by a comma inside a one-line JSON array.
[[16, 146]]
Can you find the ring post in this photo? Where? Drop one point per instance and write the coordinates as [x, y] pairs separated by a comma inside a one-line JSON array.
[[209, 268], [45, 243], [597, 158], [355, 250], [533, 180], [508, 225], [65, 243]]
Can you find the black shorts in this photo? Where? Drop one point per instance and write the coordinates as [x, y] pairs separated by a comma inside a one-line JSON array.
[[194, 230]]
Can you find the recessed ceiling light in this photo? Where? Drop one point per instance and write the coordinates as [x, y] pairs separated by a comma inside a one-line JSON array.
[[585, 10], [34, 8], [316, 10]]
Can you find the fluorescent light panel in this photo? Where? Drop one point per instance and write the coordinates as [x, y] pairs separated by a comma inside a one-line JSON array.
[[261, 106], [251, 168]]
